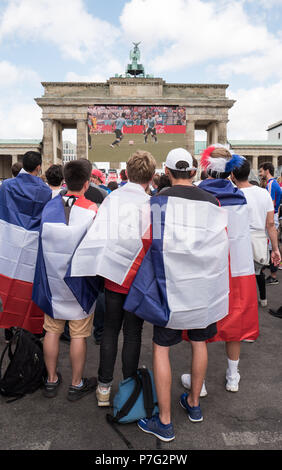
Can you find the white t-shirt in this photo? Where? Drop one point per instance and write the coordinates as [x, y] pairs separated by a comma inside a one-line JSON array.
[[259, 203]]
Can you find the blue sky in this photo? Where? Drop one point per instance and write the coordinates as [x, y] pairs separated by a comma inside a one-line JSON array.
[[238, 42]]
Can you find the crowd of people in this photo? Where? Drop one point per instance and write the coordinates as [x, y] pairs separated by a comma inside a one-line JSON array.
[[101, 259], [134, 115]]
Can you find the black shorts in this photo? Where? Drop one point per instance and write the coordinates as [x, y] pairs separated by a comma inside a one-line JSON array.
[[151, 130], [118, 134], [168, 337]]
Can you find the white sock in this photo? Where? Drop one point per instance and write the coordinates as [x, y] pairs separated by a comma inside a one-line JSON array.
[[79, 385], [232, 366]]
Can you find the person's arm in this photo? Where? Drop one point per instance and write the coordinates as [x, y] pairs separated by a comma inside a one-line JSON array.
[[272, 233], [271, 190]]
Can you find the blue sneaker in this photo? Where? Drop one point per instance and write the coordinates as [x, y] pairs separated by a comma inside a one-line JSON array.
[[153, 426], [194, 412]]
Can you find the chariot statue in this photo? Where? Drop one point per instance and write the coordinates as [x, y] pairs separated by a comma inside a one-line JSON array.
[[135, 68]]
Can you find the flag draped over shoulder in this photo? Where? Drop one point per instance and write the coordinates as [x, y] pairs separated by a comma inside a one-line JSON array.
[[242, 320], [183, 279], [61, 232], [116, 243], [22, 200]]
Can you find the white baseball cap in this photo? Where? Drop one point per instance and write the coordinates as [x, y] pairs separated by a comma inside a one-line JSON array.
[[178, 155]]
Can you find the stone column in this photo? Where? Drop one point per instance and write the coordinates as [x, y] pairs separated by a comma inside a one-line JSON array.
[[255, 163], [209, 135], [57, 142], [14, 159], [275, 161], [82, 138], [222, 132], [214, 133], [190, 133], [48, 145]]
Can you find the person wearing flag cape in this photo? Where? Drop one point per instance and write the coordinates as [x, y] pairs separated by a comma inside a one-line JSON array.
[[182, 283], [242, 320], [65, 221], [113, 249], [22, 200]]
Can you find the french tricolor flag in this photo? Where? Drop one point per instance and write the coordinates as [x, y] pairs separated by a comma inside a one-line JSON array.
[[116, 243], [242, 320], [65, 222], [22, 200], [182, 282]]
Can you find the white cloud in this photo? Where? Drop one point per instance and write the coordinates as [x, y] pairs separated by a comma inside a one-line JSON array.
[[255, 109], [175, 35], [193, 31], [11, 74], [67, 24], [99, 73], [21, 121], [267, 65], [20, 117]]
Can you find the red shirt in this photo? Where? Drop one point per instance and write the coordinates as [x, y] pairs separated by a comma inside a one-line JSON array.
[[110, 285]]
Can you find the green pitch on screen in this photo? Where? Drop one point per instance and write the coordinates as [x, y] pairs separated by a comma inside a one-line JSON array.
[[102, 152]]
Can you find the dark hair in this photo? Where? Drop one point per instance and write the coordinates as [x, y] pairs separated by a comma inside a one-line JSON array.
[[16, 168], [180, 174], [242, 173], [54, 175], [112, 185], [31, 160], [254, 182], [204, 175], [123, 115], [76, 173], [268, 166], [156, 178], [123, 175], [164, 182]]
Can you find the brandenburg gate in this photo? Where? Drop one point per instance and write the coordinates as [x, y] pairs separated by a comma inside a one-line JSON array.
[[65, 105]]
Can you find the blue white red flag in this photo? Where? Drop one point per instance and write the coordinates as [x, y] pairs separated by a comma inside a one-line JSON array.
[[62, 229], [182, 282], [242, 320], [22, 200], [116, 243]]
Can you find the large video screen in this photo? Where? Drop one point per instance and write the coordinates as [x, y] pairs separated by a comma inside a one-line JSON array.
[[115, 132]]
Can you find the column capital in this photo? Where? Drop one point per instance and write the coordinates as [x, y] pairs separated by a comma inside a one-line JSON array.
[[225, 120]]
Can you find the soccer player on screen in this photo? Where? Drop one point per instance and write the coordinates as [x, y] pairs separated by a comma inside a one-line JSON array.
[[119, 123], [150, 128]]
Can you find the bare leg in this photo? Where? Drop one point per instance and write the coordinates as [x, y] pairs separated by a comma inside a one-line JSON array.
[[233, 350], [78, 349], [162, 376], [51, 353], [198, 371]]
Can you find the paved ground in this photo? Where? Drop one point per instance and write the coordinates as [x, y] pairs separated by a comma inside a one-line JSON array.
[[248, 420]]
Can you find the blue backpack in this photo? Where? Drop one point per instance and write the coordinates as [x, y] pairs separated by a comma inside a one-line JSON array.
[[136, 398]]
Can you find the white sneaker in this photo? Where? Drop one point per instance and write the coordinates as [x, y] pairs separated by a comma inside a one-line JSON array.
[[103, 395], [263, 302], [232, 384], [186, 382]]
